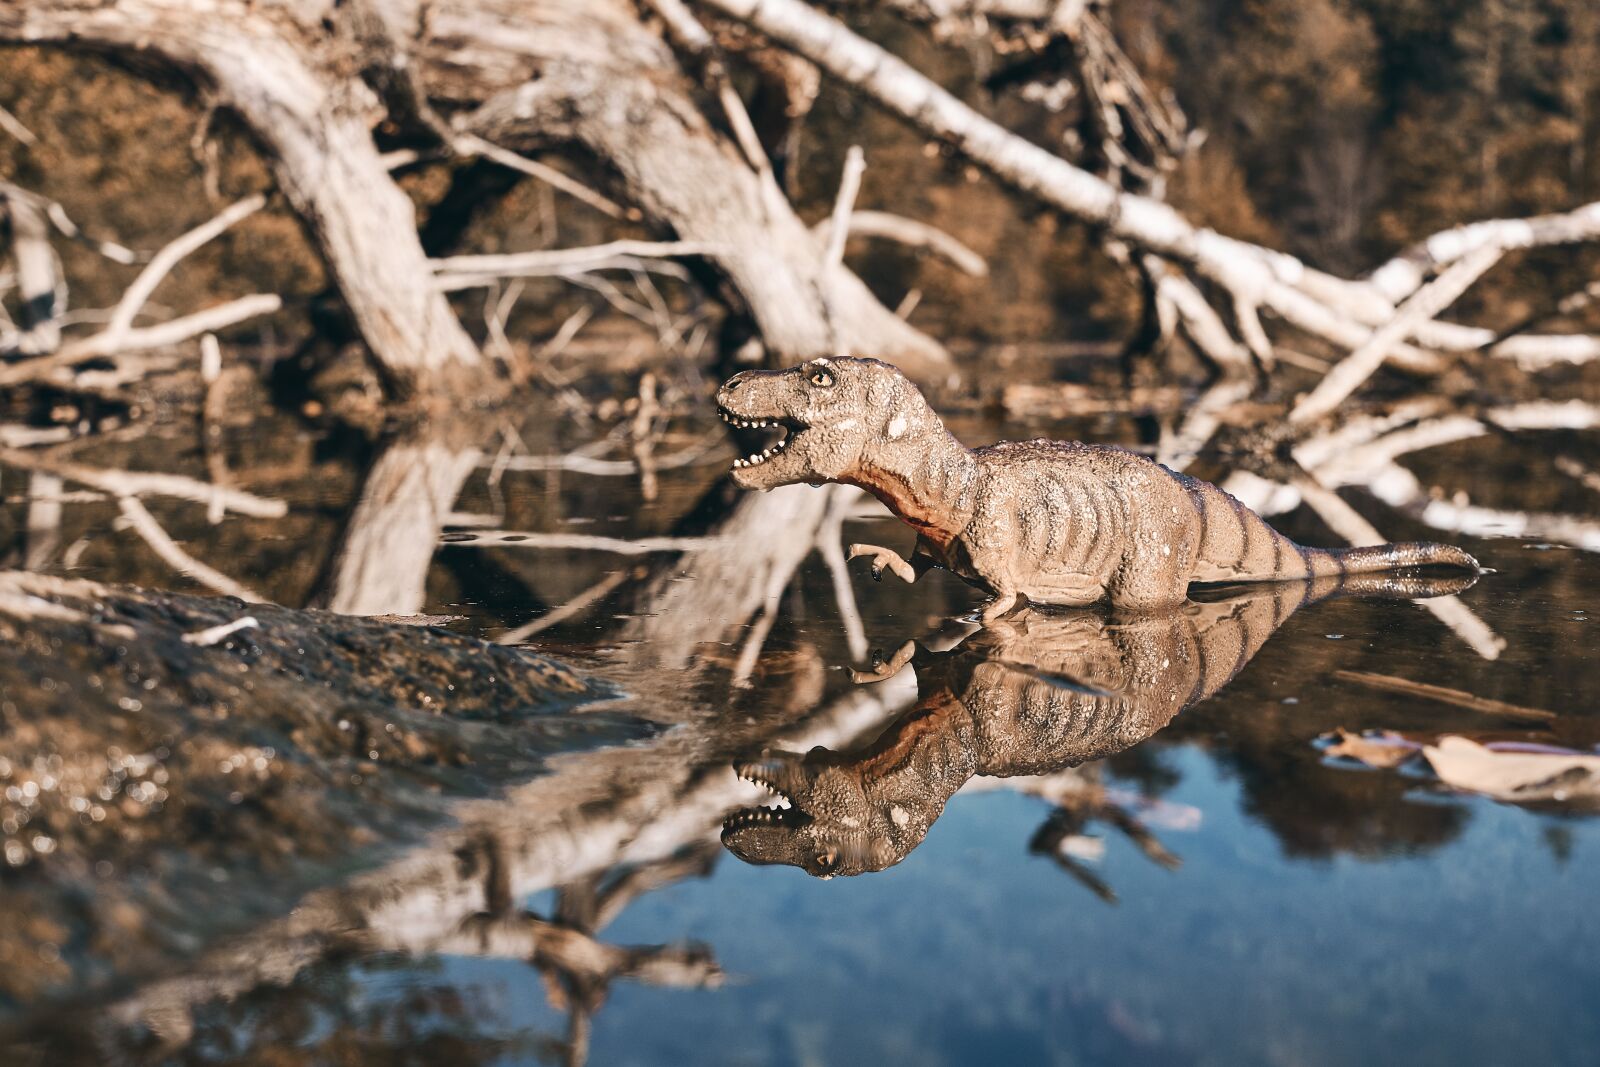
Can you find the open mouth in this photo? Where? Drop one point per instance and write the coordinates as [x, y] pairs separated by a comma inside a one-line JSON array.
[[779, 812], [787, 429]]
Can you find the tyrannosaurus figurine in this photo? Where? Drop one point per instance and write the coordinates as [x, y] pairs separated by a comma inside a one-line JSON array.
[[1057, 522]]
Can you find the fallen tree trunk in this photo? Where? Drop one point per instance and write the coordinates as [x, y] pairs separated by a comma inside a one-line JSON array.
[[316, 129], [556, 72]]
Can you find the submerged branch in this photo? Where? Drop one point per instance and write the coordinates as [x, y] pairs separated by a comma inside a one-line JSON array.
[[146, 526], [147, 483]]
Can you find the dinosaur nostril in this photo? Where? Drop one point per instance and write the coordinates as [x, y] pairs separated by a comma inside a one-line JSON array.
[[731, 384]]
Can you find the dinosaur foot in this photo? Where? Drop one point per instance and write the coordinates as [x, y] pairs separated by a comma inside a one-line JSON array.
[[998, 607]]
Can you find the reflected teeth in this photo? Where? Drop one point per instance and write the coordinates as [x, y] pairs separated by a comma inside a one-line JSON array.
[[779, 802]]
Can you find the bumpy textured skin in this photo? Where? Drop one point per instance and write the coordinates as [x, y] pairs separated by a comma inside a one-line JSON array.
[[1029, 694], [1056, 522]]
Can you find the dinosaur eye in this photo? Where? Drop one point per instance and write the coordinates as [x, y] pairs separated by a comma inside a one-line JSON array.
[[827, 860], [821, 378]]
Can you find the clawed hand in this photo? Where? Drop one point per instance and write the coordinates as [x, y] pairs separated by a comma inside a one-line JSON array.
[[885, 558], [880, 670]]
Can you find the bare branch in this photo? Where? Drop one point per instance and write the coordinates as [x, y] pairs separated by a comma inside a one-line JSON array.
[[706, 449], [586, 542], [145, 525], [468, 145], [1391, 684], [146, 483], [855, 161], [12, 125], [136, 340], [1423, 305], [909, 232], [1402, 275], [576, 606], [163, 262], [464, 272]]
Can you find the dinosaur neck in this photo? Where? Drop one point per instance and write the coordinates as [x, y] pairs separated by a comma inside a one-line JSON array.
[[919, 764], [926, 479]]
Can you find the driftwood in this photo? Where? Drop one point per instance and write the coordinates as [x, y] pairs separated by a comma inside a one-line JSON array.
[[1346, 313], [504, 82], [514, 79]]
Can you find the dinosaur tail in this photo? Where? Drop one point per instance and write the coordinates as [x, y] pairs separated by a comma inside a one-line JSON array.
[[1237, 545], [1371, 558]]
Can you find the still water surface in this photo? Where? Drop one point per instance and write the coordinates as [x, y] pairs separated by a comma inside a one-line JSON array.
[[1216, 889]]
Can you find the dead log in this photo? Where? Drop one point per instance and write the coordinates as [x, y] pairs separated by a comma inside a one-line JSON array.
[[558, 72]]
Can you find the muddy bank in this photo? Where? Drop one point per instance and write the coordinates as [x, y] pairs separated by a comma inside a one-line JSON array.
[[164, 782]]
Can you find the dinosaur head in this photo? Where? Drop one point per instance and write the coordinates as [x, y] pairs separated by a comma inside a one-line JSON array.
[[832, 414], [829, 825]]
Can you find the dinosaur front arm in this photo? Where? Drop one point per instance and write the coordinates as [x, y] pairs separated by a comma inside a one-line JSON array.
[[888, 558]]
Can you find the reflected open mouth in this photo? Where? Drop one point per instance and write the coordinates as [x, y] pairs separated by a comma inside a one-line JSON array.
[[787, 429], [780, 812]]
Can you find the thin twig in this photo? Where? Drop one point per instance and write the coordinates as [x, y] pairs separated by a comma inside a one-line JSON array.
[[145, 525], [583, 542], [912, 234], [12, 125], [1391, 684], [162, 263], [706, 449], [472, 145], [461, 272], [855, 162], [576, 606], [124, 483]]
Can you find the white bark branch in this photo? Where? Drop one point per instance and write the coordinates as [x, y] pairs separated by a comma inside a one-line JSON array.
[[467, 271], [99, 346], [855, 162], [1402, 275], [640, 546], [1425, 304], [145, 525], [147, 483], [133, 300], [911, 233]]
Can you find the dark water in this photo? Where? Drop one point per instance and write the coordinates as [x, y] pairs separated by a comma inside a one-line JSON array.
[[1214, 889]]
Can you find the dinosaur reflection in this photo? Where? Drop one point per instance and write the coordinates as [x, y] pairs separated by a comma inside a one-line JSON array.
[[1026, 695]]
